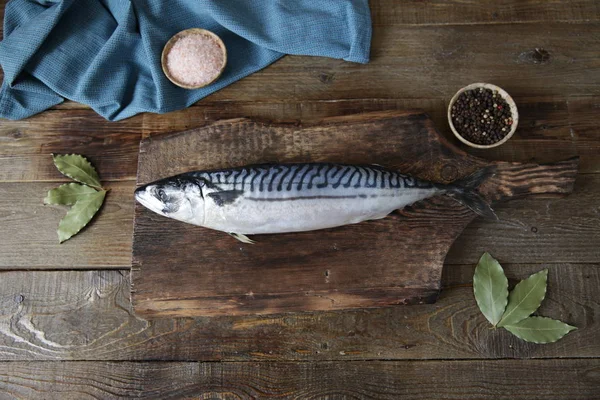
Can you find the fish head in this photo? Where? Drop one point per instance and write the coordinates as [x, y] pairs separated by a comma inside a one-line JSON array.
[[179, 198]]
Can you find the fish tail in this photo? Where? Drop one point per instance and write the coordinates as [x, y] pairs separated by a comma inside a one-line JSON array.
[[464, 191]]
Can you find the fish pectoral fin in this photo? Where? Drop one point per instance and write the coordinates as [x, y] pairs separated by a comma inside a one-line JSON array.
[[242, 238], [225, 196]]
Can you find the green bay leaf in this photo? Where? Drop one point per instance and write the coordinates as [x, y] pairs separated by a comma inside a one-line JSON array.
[[525, 298], [539, 329], [490, 287], [78, 168], [79, 215], [68, 194]]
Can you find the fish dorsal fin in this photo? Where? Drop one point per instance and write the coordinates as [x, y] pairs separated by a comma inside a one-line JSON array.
[[225, 196]]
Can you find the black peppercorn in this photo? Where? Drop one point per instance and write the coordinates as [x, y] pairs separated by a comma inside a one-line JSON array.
[[481, 116]]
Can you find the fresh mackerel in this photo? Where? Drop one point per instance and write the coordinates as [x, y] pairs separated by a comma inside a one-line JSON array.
[[277, 198]]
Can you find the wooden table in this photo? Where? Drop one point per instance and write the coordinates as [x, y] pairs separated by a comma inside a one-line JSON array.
[[67, 329]]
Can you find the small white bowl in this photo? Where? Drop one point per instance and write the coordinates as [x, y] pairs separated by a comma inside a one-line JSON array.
[[504, 95]]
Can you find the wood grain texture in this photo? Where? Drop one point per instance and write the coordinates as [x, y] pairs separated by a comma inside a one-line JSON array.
[[435, 61], [87, 315], [28, 236], [554, 230], [404, 252], [444, 12], [26, 146], [441, 12], [564, 379]]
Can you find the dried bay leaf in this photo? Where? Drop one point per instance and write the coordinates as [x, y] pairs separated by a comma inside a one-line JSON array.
[[539, 329], [525, 298], [80, 215], [78, 168], [68, 194], [490, 287]]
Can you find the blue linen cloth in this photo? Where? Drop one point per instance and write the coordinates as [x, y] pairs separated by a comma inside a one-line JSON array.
[[106, 53]]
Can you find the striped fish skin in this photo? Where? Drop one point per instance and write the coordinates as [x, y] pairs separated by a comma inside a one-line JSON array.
[[279, 198]]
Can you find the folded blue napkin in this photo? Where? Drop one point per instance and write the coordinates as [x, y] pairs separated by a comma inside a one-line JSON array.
[[106, 53]]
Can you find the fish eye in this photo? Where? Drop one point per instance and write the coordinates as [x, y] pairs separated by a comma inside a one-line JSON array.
[[161, 195]]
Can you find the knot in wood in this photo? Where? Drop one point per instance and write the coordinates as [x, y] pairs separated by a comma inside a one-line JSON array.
[[15, 134], [325, 77], [449, 172], [535, 56]]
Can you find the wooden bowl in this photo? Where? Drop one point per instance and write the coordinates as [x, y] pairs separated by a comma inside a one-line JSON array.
[[504, 95], [171, 42]]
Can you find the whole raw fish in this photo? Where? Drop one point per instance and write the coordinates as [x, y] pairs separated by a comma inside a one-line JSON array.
[[277, 198]]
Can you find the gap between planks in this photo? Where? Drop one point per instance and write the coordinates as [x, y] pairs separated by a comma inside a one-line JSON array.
[[293, 362]]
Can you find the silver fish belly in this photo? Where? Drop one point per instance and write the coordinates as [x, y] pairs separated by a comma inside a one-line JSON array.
[[284, 197]]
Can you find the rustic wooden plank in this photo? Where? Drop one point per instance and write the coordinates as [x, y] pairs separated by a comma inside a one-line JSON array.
[[405, 251], [434, 12], [584, 124], [390, 12], [550, 128], [28, 236], [532, 379], [443, 12], [25, 153], [87, 315], [206, 112], [544, 151], [435, 61]]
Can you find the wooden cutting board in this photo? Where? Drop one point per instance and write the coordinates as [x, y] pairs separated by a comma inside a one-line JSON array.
[[184, 270]]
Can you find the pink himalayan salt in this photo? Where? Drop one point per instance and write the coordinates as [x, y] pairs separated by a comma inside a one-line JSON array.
[[195, 59]]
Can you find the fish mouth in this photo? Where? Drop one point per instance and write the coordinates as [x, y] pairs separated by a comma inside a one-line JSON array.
[[138, 194], [142, 196]]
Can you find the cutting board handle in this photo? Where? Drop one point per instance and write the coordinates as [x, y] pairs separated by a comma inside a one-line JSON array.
[[514, 180]]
